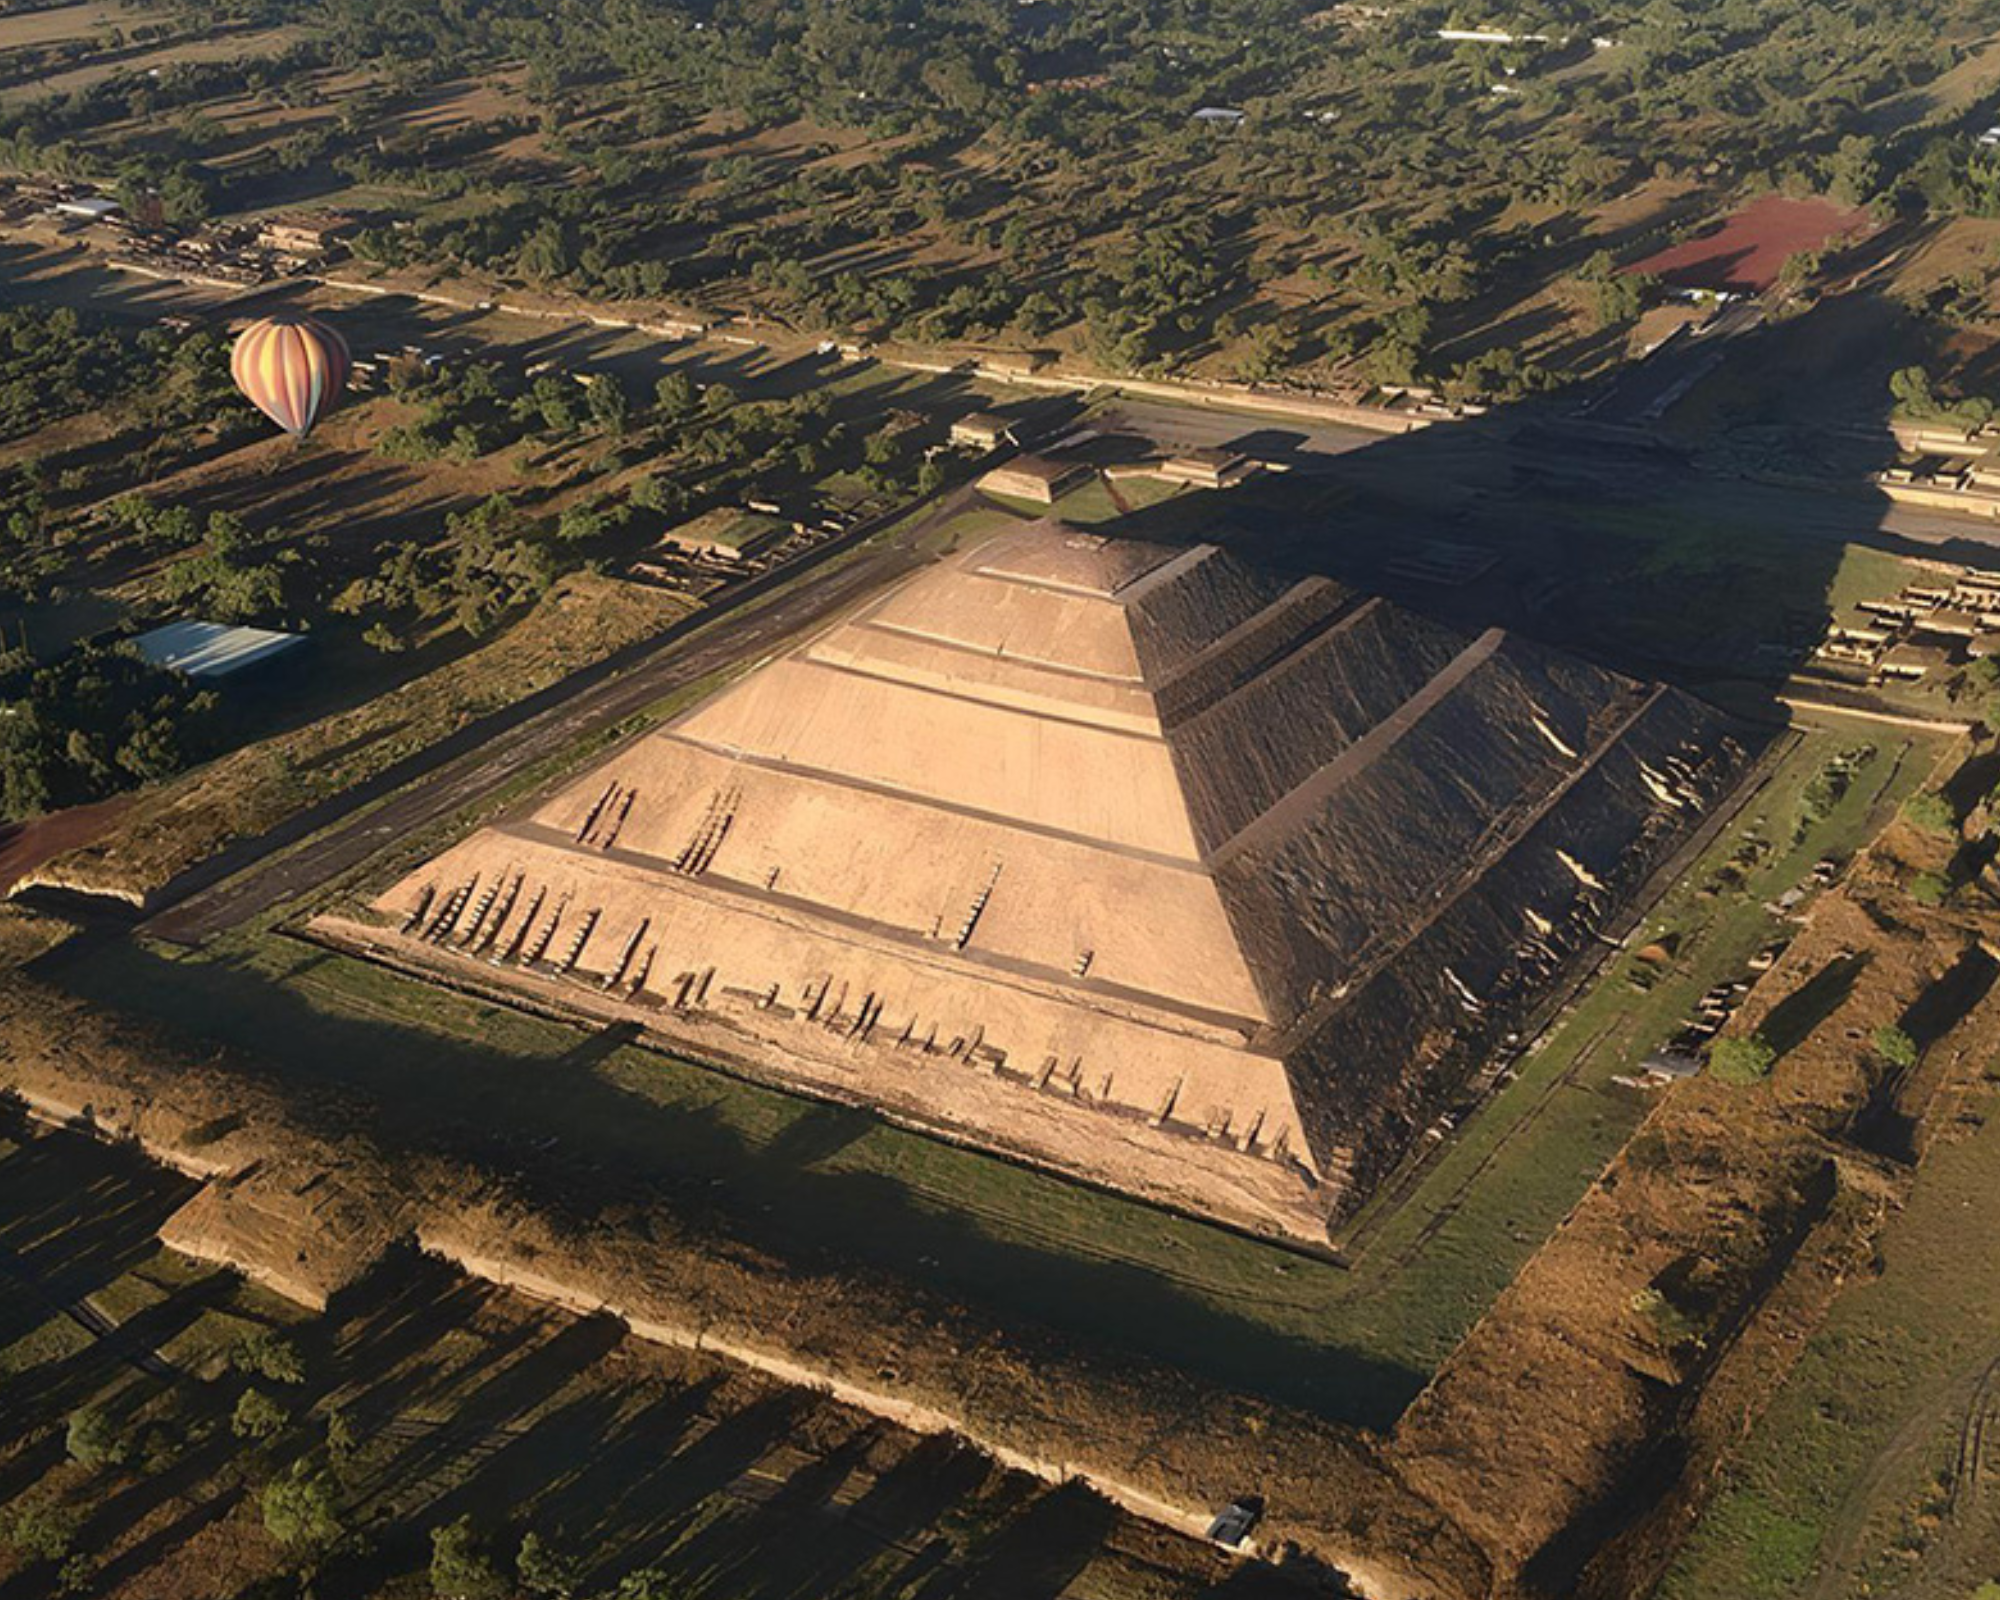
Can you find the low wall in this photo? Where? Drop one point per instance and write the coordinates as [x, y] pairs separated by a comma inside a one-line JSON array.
[[307, 1198]]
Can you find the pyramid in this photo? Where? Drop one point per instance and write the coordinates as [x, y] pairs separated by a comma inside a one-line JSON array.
[[1202, 881]]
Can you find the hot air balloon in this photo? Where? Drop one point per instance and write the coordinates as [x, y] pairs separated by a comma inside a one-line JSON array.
[[290, 368]]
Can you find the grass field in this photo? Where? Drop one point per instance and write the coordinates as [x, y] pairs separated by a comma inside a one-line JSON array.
[[833, 1185], [423, 1397], [1867, 1474], [1429, 1262]]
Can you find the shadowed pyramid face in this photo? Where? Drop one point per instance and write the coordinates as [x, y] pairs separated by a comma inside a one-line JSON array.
[[1129, 857]]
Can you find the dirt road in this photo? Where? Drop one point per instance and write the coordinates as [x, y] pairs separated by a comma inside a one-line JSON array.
[[255, 875]]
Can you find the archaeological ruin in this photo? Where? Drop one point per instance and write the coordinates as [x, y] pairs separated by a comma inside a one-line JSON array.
[[1206, 882]]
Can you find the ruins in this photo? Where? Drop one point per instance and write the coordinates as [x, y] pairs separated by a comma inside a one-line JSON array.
[[1207, 882]]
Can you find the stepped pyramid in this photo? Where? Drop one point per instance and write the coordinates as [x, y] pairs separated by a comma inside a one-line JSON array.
[[1199, 880]]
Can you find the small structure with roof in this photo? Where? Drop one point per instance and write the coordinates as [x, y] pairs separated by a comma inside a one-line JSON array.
[[1912, 660], [213, 649], [89, 208], [982, 430], [1035, 479], [305, 233], [729, 533], [1208, 468]]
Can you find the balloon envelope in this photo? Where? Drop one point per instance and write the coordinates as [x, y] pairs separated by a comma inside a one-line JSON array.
[[290, 368]]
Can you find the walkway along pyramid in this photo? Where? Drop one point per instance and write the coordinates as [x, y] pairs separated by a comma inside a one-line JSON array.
[[1197, 880]]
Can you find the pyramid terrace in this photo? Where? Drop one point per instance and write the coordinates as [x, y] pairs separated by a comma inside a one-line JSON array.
[[1205, 882]]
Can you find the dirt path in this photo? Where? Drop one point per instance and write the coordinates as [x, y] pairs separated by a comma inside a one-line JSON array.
[[1970, 1393], [27, 845]]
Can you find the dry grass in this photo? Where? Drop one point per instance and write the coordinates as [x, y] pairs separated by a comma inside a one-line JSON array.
[[324, 1185], [1678, 1293], [172, 827]]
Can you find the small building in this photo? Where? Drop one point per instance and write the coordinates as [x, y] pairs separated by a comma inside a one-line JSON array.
[[305, 233], [213, 649], [730, 534], [1208, 468], [1911, 661], [1035, 479], [89, 208], [1976, 591], [1951, 623], [982, 430], [1220, 117]]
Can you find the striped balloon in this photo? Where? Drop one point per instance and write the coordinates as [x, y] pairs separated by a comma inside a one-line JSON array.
[[290, 368]]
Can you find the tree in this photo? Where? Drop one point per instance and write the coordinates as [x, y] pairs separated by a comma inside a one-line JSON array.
[[39, 1527], [93, 1438], [1608, 295], [1798, 269], [265, 1354], [1910, 388], [1894, 1046], [300, 1510], [1745, 1059], [651, 1583], [341, 1443], [1853, 172], [580, 524], [553, 400], [1270, 349], [610, 407], [1931, 812], [257, 1416], [674, 396], [545, 1570], [460, 1570]]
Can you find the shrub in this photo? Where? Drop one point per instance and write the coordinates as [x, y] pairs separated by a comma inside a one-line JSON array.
[[1929, 889], [1744, 1060], [257, 1416], [1895, 1046]]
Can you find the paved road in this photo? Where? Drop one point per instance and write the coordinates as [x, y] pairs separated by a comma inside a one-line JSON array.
[[254, 876], [1651, 388]]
